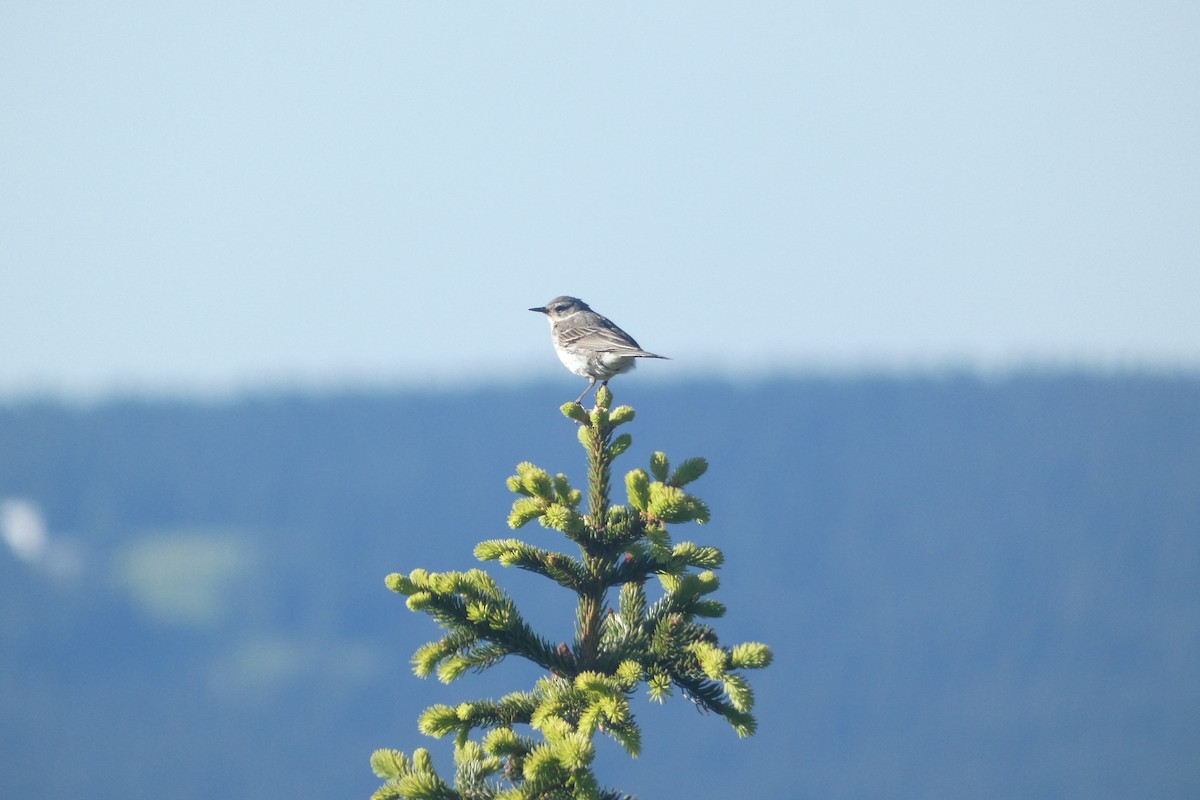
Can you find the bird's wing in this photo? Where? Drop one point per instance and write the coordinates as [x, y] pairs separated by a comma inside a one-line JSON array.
[[599, 335]]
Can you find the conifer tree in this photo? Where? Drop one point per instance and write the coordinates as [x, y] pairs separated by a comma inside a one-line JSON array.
[[539, 743]]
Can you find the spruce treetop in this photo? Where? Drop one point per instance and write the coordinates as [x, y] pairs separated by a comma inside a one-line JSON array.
[[540, 743]]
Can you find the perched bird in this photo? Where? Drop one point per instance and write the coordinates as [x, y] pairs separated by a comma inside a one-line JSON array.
[[589, 344]]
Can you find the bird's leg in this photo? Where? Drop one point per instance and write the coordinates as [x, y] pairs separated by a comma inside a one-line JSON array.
[[602, 385], [591, 383]]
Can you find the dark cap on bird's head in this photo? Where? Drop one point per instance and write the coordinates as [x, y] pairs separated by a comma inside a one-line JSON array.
[[561, 306]]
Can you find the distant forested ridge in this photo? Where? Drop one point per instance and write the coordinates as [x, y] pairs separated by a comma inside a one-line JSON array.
[[989, 587]]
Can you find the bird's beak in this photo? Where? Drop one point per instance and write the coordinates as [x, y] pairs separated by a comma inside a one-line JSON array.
[[539, 309]]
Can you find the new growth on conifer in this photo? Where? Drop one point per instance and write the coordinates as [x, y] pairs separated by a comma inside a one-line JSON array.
[[539, 743]]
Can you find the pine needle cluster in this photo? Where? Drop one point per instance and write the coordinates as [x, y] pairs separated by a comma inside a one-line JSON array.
[[540, 743]]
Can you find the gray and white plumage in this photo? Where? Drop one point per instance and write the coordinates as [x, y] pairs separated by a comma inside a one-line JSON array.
[[589, 344]]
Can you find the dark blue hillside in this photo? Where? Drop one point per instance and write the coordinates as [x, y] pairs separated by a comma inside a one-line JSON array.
[[974, 588]]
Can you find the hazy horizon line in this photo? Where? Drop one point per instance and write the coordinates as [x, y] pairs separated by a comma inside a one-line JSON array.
[[467, 381]]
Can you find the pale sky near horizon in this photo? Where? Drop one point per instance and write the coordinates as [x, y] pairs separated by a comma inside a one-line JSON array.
[[204, 197]]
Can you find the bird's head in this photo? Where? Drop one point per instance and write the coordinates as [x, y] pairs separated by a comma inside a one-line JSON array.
[[563, 306]]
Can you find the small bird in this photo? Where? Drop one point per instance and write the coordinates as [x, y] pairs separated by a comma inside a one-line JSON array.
[[589, 344]]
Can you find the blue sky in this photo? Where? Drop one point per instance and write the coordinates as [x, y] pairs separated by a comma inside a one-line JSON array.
[[220, 196]]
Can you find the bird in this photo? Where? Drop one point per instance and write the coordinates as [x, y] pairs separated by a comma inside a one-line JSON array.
[[590, 344]]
